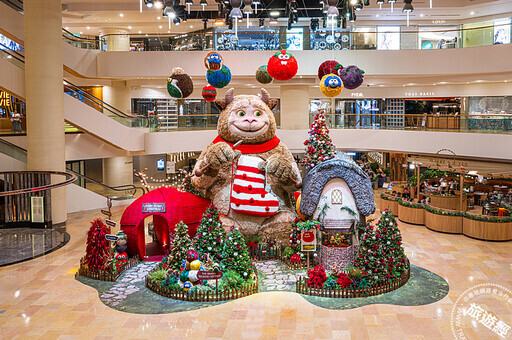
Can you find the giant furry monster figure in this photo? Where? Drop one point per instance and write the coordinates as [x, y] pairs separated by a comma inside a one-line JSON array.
[[247, 172]]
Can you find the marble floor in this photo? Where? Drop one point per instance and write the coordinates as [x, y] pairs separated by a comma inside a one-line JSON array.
[[41, 299]]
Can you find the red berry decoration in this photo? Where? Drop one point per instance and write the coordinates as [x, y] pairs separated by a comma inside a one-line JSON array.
[[282, 66], [209, 93]]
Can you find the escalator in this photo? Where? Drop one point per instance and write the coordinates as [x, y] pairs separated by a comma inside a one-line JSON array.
[[123, 192], [89, 113]]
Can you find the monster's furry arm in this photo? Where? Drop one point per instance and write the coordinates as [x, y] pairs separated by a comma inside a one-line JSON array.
[[282, 166], [210, 162]]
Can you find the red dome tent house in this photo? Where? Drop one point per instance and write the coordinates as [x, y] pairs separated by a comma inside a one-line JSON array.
[[168, 206]]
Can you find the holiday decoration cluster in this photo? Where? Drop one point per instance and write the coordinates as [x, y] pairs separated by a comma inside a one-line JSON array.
[[319, 146]]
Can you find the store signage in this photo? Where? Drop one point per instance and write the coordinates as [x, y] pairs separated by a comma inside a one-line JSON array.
[[419, 94], [308, 240], [356, 94], [111, 237], [209, 275], [439, 21], [171, 167], [110, 223], [5, 99], [153, 207], [160, 164]]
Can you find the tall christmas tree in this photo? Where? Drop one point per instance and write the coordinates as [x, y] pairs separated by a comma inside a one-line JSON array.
[[210, 236], [395, 261], [235, 255], [97, 252], [319, 146], [180, 246]]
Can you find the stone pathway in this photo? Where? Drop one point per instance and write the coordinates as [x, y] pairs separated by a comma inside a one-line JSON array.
[[275, 276], [128, 283]]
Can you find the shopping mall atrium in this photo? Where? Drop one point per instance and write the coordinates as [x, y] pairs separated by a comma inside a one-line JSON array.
[[256, 169]]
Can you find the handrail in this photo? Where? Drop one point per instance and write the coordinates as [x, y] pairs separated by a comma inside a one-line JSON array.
[[125, 187], [69, 180]]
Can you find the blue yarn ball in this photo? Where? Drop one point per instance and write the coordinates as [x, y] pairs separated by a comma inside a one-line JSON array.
[[219, 79]]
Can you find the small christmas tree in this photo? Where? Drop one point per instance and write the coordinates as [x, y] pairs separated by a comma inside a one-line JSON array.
[[97, 252], [319, 146], [210, 236], [235, 255], [395, 261], [180, 246], [186, 184], [369, 257]]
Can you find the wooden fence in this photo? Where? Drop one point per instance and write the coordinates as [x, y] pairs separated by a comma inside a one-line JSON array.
[[260, 253], [179, 294], [376, 289], [106, 275]]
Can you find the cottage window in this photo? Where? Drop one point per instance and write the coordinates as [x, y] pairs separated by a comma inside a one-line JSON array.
[[336, 197]]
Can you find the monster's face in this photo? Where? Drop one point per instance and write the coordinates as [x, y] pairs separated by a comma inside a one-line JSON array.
[[282, 66], [213, 61], [332, 82], [249, 117]]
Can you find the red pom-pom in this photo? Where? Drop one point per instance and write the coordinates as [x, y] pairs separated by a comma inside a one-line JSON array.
[[327, 67], [282, 66], [209, 93]]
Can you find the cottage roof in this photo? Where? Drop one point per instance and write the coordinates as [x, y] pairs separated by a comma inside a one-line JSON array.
[[341, 166]]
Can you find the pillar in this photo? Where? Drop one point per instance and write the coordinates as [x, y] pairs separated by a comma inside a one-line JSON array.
[[118, 96], [294, 107], [118, 39], [118, 171], [44, 94]]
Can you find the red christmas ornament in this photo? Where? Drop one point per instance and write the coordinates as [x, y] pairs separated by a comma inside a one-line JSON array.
[[209, 93], [328, 67], [282, 66]]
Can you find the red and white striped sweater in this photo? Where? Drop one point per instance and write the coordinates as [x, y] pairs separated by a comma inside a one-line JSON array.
[[248, 194]]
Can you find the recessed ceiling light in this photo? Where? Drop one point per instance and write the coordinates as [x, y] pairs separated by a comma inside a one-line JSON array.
[[140, 32], [158, 18], [191, 26], [67, 27], [81, 32], [129, 27], [121, 15], [88, 27], [168, 31], [422, 15], [160, 26], [158, 4], [472, 13], [146, 34], [274, 13], [377, 15]]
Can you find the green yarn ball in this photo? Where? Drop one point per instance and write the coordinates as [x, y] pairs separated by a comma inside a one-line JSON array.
[[262, 75]]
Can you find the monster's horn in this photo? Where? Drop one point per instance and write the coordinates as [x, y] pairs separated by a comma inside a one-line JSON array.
[[265, 96], [229, 95]]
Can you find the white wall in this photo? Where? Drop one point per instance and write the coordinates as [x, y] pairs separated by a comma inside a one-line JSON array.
[[12, 23], [80, 199], [10, 164]]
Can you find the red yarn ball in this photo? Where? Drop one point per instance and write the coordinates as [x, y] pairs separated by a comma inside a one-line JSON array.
[[209, 93], [327, 67], [282, 66]]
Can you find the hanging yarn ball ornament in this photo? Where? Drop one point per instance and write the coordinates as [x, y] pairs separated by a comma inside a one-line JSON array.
[[331, 85], [213, 61], [262, 75], [219, 79], [209, 93], [282, 66], [179, 84], [352, 77], [327, 67]]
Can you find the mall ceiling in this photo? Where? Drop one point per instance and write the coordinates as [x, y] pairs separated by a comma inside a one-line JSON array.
[[88, 16]]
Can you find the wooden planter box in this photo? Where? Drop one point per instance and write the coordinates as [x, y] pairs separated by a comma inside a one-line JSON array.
[[443, 223], [490, 231], [448, 202], [411, 215], [389, 205]]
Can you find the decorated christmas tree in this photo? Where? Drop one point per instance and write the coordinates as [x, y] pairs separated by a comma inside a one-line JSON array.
[[381, 256], [319, 146], [391, 246], [210, 236], [97, 252], [180, 246], [186, 184], [235, 255]]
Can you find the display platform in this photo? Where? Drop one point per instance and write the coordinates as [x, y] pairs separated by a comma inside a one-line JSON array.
[[129, 294]]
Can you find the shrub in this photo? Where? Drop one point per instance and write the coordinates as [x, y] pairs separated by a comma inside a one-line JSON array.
[[331, 283], [231, 280], [158, 275], [344, 280], [200, 289], [288, 252], [317, 276]]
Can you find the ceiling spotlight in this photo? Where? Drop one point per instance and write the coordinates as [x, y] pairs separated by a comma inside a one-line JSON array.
[[380, 2], [219, 22], [129, 27], [169, 12], [274, 13], [353, 2], [314, 24], [273, 21], [159, 4], [472, 13], [149, 3], [408, 6], [121, 15], [176, 21], [391, 1]]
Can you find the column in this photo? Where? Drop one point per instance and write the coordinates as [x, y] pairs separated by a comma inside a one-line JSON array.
[[118, 96], [294, 107], [118, 171], [44, 94], [117, 38]]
